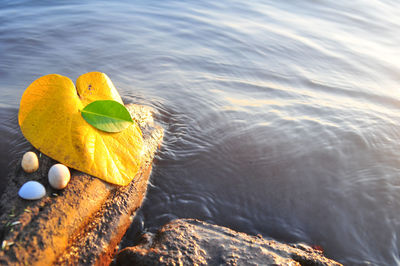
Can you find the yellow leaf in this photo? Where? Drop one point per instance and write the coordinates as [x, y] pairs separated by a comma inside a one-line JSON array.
[[50, 119]]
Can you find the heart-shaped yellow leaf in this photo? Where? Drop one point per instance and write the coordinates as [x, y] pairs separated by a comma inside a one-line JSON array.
[[50, 119]]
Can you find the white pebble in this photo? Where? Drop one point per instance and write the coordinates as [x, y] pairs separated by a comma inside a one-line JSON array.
[[32, 190], [59, 176], [30, 162]]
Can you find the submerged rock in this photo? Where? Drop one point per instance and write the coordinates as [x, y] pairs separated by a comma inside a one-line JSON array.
[[193, 242]]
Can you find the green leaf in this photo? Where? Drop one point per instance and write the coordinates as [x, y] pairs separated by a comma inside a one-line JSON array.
[[107, 115]]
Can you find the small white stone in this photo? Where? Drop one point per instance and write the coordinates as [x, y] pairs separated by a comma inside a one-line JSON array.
[[59, 176], [30, 162], [32, 190]]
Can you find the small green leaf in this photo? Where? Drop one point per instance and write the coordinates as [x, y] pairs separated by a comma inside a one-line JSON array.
[[107, 115]]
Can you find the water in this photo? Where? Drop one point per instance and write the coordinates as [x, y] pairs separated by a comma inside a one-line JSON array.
[[281, 117]]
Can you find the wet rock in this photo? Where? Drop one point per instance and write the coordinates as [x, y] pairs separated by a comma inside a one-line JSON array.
[[191, 242], [80, 225]]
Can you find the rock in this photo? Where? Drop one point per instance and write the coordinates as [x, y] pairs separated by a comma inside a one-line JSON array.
[[193, 242], [30, 162], [59, 176], [81, 224], [32, 190]]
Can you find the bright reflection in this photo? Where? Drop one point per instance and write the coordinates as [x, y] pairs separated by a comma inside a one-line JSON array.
[[253, 102]]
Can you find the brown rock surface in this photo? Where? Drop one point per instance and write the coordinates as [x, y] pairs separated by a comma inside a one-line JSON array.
[[81, 224], [193, 242]]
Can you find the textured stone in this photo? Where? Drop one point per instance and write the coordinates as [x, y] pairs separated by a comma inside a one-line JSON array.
[[193, 242], [81, 224]]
